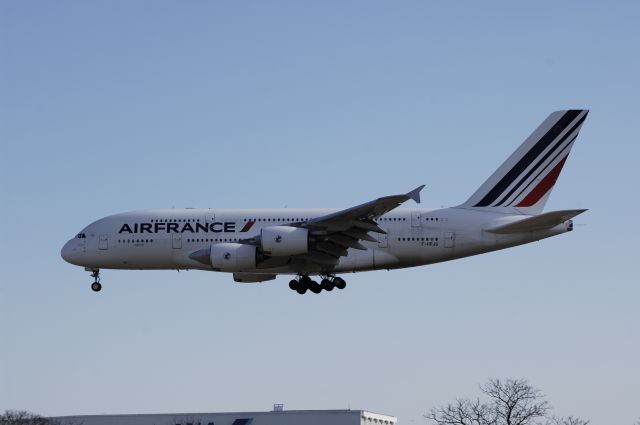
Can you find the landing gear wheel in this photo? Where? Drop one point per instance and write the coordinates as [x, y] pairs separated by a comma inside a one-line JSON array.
[[95, 274], [301, 285], [339, 283], [326, 284], [315, 287]]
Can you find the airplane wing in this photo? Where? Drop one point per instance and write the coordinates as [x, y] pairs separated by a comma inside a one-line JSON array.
[[333, 234], [364, 213]]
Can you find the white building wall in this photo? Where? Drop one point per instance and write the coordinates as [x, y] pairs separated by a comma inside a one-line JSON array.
[[286, 417]]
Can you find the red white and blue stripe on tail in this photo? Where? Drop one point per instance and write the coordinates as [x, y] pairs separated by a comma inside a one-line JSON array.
[[524, 181]]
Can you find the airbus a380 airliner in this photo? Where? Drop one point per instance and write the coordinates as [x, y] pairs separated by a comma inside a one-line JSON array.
[[257, 245]]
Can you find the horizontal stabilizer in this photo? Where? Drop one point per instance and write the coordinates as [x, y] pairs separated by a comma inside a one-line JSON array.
[[537, 222]]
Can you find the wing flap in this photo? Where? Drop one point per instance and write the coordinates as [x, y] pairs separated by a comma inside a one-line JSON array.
[[346, 241], [359, 234], [368, 226]]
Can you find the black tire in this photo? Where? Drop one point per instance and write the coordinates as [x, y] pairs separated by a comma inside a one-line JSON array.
[[315, 287], [326, 284], [96, 286], [301, 290], [293, 285], [339, 283]]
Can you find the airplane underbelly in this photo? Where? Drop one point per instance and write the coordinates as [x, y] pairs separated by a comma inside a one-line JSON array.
[[136, 256], [356, 260]]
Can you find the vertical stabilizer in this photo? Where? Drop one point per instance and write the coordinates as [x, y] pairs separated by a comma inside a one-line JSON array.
[[524, 181]]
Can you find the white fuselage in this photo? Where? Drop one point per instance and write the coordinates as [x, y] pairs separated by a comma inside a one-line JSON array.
[[165, 238]]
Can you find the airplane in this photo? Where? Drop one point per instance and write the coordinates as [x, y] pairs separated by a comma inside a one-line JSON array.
[[256, 245]]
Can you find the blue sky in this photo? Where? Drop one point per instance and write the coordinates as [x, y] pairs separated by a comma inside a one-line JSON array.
[[112, 106]]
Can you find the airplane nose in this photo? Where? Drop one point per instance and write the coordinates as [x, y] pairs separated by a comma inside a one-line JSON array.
[[70, 252], [65, 252]]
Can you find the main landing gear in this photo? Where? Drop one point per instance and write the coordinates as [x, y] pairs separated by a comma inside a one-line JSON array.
[[304, 283], [96, 286]]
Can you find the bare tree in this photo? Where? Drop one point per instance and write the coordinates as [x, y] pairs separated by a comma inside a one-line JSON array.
[[515, 402], [569, 420], [510, 402], [21, 417], [463, 412]]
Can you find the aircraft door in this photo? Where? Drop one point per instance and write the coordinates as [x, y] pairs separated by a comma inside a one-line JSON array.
[[176, 241], [383, 240], [415, 218], [449, 239], [103, 242]]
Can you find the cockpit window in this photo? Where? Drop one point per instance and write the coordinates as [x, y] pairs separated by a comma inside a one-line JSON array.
[[81, 236]]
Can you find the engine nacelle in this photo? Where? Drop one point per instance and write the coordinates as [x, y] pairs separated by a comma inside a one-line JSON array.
[[284, 240], [233, 257]]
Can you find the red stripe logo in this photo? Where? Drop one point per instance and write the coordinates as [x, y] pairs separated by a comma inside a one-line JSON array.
[[543, 187], [248, 225]]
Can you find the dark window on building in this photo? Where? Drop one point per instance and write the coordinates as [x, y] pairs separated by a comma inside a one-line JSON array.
[[245, 421]]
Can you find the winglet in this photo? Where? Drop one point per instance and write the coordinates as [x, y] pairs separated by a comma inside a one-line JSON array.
[[415, 194]]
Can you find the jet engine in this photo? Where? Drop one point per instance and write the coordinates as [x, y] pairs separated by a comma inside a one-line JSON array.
[[233, 257], [284, 240]]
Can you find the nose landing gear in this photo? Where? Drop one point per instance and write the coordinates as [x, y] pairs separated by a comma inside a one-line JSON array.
[[304, 283], [96, 286]]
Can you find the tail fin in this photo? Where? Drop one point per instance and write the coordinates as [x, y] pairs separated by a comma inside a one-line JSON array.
[[524, 181]]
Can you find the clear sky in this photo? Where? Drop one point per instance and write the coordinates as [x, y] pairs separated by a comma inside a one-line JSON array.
[[118, 105]]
